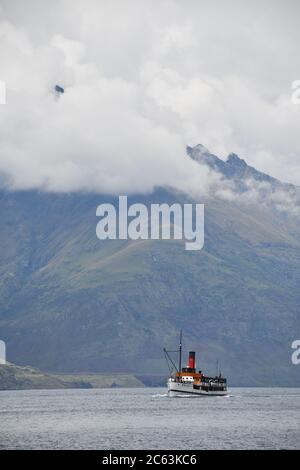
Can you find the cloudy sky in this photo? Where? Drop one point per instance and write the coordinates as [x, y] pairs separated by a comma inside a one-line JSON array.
[[142, 80]]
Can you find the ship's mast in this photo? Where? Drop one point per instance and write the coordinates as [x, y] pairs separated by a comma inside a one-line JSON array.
[[169, 359], [180, 350]]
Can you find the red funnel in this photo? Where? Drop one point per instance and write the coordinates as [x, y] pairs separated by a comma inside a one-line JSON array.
[[192, 361]]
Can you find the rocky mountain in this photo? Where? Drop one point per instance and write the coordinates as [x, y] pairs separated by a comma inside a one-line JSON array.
[[235, 169], [70, 302]]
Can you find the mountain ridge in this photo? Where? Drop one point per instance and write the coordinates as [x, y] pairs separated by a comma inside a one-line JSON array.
[[232, 167]]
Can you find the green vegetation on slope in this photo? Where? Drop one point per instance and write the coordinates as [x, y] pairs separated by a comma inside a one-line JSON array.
[[13, 377], [69, 302]]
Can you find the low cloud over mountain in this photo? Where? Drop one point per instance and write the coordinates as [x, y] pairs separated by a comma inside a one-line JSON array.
[[141, 81]]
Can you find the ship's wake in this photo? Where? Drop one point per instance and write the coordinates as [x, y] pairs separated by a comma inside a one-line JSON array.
[[160, 395]]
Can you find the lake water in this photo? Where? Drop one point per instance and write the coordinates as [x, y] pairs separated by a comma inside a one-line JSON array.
[[253, 418]]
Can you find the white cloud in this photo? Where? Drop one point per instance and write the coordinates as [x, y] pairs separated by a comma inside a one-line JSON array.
[[142, 80]]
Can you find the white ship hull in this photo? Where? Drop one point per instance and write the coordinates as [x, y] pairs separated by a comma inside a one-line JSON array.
[[176, 389]]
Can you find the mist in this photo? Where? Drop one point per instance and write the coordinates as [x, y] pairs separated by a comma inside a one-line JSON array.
[[141, 81]]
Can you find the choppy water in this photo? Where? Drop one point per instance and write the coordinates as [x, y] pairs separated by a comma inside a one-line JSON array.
[[254, 418]]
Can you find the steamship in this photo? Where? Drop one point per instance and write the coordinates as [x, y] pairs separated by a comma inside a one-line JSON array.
[[187, 381]]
